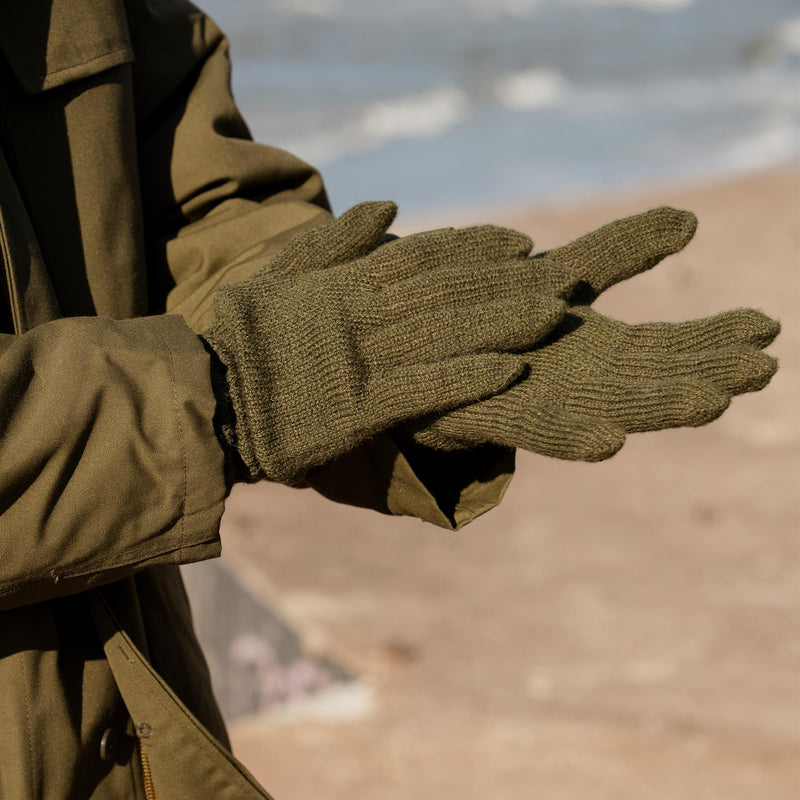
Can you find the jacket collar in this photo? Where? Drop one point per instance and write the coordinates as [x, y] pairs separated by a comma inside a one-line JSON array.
[[48, 43]]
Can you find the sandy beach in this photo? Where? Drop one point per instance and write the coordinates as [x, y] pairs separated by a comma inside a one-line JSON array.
[[617, 631]]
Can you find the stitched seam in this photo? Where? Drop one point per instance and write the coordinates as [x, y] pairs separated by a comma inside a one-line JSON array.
[[12, 284], [180, 427], [88, 61], [90, 568], [28, 736]]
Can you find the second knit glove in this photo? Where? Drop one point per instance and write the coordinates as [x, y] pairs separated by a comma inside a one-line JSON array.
[[595, 379]]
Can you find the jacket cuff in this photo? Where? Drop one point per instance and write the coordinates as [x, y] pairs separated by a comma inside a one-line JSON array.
[[195, 408], [395, 476], [111, 463]]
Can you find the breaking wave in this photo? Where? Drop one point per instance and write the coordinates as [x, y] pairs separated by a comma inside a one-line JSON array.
[[534, 88], [789, 35], [418, 117]]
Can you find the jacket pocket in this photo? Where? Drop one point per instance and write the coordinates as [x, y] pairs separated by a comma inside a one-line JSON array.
[[186, 760]]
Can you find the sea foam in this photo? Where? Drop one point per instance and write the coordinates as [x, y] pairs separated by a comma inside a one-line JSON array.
[[320, 9], [789, 35], [534, 88], [428, 114], [422, 116], [777, 141]]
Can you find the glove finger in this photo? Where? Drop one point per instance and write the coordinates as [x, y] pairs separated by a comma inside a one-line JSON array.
[[735, 369], [626, 247], [739, 326], [646, 405], [519, 419], [416, 390], [353, 235], [508, 324], [447, 247]]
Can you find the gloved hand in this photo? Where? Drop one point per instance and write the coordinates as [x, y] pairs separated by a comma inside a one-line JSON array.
[[340, 338], [594, 379]]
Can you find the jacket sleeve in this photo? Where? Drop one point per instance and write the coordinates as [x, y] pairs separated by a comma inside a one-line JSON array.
[[219, 206], [107, 459]]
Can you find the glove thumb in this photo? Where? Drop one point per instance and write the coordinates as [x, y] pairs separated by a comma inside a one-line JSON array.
[[624, 248]]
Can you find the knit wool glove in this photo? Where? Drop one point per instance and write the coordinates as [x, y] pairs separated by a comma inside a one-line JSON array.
[[342, 337], [595, 378]]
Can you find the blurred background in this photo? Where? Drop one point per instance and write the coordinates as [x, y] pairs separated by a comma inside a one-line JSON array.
[[443, 103], [629, 629]]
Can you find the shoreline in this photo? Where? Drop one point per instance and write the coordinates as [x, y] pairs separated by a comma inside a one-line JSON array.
[[625, 200]]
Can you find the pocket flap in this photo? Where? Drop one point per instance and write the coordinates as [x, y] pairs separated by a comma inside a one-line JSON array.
[[48, 43], [186, 760]]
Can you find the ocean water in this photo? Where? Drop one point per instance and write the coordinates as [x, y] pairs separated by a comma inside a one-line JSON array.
[[468, 103]]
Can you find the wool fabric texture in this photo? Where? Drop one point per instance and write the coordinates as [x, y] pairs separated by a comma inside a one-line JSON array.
[[595, 379], [344, 336]]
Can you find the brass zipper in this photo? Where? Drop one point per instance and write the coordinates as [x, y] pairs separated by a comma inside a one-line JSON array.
[[149, 786]]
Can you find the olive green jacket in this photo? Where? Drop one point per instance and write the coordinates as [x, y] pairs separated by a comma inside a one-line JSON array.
[[129, 190]]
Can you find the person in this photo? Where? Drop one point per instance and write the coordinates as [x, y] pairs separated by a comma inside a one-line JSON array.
[[180, 311]]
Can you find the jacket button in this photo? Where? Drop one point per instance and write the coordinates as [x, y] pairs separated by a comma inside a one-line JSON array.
[[108, 745]]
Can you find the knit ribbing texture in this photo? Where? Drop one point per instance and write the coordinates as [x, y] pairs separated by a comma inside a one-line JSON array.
[[595, 379]]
